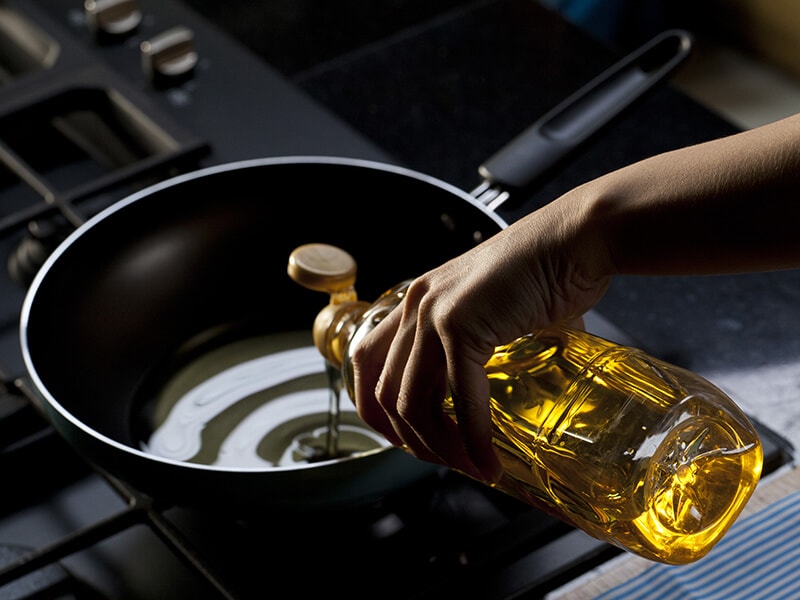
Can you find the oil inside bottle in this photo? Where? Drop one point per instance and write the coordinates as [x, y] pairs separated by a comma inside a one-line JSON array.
[[265, 401], [629, 449]]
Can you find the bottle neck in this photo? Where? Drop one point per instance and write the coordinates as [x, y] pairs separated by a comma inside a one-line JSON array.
[[333, 328]]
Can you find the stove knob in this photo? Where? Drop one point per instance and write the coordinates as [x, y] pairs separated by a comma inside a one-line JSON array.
[[27, 258], [112, 19], [169, 58]]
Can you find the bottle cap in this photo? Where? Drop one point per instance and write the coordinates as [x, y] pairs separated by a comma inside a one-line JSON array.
[[322, 267]]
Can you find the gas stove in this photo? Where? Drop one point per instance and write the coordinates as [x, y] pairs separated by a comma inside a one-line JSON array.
[[96, 102]]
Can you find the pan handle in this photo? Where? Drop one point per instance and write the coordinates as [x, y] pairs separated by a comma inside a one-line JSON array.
[[545, 143]]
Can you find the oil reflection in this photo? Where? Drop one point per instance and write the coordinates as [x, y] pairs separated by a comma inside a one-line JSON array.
[[248, 405]]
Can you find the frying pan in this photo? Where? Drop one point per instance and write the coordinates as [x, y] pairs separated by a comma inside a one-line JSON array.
[[160, 280]]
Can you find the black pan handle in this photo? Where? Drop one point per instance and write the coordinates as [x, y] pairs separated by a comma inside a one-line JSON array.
[[540, 147]]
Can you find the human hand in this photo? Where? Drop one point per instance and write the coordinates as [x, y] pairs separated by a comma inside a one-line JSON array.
[[435, 343]]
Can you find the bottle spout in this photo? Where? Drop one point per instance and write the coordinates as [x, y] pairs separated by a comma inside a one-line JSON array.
[[332, 270]]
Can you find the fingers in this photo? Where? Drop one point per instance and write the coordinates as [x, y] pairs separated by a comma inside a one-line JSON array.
[[401, 382], [368, 361], [419, 404], [401, 394], [471, 394], [391, 393]]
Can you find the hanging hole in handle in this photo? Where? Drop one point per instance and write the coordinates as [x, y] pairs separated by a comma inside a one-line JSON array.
[[579, 116], [671, 49]]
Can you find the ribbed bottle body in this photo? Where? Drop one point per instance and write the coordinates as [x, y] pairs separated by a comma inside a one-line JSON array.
[[633, 450]]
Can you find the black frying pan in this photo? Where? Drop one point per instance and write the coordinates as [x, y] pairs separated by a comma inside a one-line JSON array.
[[168, 275]]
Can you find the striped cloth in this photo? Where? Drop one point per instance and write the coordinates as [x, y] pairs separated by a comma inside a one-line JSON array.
[[759, 557]]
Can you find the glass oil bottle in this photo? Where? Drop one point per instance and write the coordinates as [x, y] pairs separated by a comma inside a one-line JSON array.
[[633, 450]]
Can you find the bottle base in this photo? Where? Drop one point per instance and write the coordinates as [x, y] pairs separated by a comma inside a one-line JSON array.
[[699, 480]]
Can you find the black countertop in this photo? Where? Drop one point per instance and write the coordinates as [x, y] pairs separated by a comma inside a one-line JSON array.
[[441, 88]]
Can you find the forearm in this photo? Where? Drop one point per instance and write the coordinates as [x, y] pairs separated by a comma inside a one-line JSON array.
[[729, 205]]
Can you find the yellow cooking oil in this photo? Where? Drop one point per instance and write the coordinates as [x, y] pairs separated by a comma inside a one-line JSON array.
[[632, 450]]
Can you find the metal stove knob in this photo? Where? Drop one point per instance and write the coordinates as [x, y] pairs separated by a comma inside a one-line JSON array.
[[112, 19], [170, 57], [28, 257]]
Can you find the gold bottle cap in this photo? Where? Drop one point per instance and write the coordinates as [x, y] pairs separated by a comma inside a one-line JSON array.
[[322, 267], [329, 269]]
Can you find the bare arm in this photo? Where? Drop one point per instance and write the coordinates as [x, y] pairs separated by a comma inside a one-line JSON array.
[[728, 205]]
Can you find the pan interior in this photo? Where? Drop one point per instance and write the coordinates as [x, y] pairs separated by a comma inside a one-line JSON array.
[[255, 402]]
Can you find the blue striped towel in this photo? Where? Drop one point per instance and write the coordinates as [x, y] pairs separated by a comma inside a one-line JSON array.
[[759, 558]]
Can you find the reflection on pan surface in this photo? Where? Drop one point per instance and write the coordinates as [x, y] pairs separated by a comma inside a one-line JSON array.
[[258, 402]]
